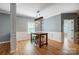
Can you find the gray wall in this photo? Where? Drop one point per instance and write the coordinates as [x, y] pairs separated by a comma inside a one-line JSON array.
[[38, 26], [22, 27], [22, 23], [70, 16], [55, 24], [4, 27], [78, 24], [52, 24]]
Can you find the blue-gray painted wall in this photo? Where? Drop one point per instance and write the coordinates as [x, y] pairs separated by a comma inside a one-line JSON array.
[[52, 24], [4, 27]]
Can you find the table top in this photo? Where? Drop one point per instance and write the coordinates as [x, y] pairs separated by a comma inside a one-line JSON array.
[[39, 33]]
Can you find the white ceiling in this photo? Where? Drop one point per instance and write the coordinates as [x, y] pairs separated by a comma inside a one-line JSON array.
[[4, 8], [46, 9], [27, 9], [30, 9]]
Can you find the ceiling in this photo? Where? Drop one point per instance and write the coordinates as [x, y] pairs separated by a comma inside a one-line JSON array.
[[30, 9], [27, 9], [46, 9]]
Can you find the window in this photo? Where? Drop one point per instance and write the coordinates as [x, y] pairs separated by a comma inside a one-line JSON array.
[[31, 27]]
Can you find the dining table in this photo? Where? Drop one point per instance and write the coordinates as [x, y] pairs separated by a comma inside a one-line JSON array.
[[40, 35]]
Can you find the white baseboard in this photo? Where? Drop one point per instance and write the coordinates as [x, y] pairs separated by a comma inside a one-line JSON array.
[[4, 42], [21, 39], [12, 51], [56, 40]]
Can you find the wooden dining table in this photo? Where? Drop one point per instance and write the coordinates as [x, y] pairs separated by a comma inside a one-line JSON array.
[[40, 35]]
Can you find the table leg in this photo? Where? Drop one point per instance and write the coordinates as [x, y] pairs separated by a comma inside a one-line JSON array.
[[40, 41], [31, 37], [46, 39]]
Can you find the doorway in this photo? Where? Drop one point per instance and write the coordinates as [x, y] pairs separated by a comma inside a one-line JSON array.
[[68, 30]]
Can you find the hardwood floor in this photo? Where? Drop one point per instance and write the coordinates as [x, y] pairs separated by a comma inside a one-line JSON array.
[[5, 48], [54, 48], [25, 47]]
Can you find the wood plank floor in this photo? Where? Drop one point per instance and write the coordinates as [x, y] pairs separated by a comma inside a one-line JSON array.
[[24, 47], [5, 48], [54, 48]]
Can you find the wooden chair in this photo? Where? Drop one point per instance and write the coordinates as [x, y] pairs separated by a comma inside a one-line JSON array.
[[36, 39], [43, 41]]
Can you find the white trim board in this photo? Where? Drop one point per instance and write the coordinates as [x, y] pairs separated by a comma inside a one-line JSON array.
[[21, 39], [4, 42]]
